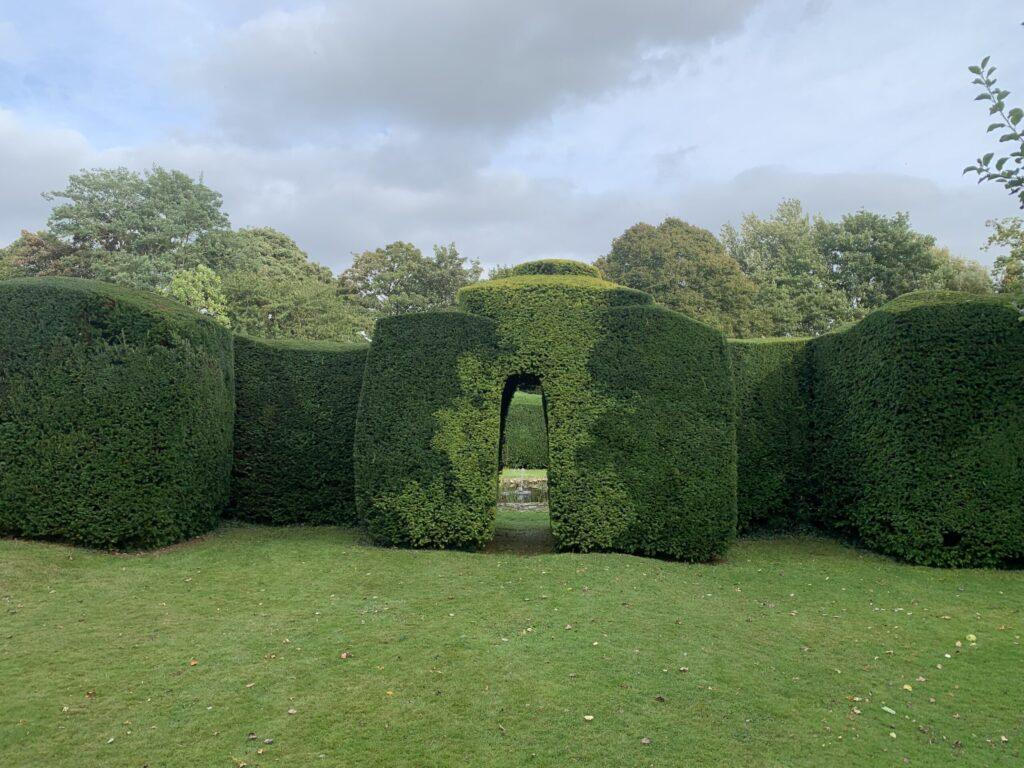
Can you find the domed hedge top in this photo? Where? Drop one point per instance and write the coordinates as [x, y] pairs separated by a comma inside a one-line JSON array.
[[556, 267], [506, 296]]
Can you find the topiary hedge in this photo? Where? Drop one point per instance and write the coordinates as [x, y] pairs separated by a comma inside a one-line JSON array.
[[525, 433], [918, 430], [116, 411], [294, 430], [771, 377], [663, 444], [563, 267], [426, 448]]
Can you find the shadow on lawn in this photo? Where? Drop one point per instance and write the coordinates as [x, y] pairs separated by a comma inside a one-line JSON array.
[[522, 529]]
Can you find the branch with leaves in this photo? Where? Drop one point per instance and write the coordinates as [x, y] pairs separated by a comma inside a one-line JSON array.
[[1008, 169]]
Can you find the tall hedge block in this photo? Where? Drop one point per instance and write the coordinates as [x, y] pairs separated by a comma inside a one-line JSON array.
[[773, 463], [294, 430], [116, 412], [918, 430], [426, 449], [665, 439]]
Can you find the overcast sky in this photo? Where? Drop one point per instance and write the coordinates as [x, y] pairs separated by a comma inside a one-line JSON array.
[[518, 130]]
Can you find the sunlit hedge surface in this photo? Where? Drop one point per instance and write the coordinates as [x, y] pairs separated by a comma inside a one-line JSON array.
[[918, 438], [426, 448], [771, 430], [116, 412], [294, 430]]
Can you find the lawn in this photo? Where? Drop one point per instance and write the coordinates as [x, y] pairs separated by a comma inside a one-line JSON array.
[[791, 652]]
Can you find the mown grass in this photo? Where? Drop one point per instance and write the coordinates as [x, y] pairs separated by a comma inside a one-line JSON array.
[[785, 654]]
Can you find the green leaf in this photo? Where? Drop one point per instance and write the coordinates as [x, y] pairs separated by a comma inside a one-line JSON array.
[[993, 126], [1001, 162], [987, 158], [984, 62], [983, 97], [1015, 115], [976, 70]]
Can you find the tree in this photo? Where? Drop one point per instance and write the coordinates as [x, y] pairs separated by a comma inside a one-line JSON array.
[[201, 288], [1007, 169], [957, 274], [131, 228], [685, 268], [1008, 270], [875, 258], [795, 290], [262, 304], [40, 254], [398, 278]]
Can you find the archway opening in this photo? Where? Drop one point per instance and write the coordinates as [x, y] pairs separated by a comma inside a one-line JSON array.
[[522, 520]]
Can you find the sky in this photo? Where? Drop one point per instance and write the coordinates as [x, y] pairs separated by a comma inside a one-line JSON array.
[[521, 130]]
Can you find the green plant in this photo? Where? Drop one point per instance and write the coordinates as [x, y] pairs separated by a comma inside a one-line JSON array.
[[771, 430], [918, 430], [426, 446], [661, 445], [525, 436], [116, 411], [563, 267], [294, 430], [1008, 169]]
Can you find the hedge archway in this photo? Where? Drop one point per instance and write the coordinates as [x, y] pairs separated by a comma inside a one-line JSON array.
[[427, 445]]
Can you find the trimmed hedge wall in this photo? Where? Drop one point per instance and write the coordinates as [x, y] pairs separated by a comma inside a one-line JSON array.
[[771, 378], [294, 430], [116, 411], [426, 448], [525, 436], [563, 267], [665, 441], [546, 326], [918, 430]]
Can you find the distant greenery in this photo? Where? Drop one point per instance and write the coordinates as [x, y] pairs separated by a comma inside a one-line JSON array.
[[687, 269], [524, 443], [398, 278], [795, 652], [163, 231]]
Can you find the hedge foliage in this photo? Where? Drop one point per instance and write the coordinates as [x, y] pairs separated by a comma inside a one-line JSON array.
[[525, 432], [294, 430], [662, 447], [116, 411], [563, 267], [426, 448], [918, 437], [565, 331], [771, 378]]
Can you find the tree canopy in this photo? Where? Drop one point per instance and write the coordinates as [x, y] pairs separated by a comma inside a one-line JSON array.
[[398, 278], [687, 269]]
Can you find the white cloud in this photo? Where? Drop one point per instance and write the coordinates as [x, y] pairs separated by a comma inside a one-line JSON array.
[[458, 64]]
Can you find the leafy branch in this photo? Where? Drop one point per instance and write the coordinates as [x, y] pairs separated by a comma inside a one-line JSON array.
[[1008, 169]]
